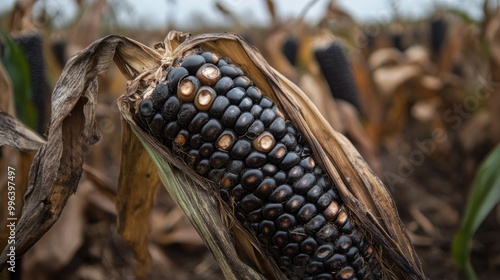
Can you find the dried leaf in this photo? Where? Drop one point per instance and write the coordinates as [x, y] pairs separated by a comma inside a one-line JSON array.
[[137, 185], [57, 166]]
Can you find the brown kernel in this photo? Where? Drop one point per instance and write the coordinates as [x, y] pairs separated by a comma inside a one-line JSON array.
[[264, 143], [331, 211]]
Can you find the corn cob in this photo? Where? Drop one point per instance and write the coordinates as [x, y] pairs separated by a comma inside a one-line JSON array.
[[290, 48], [337, 72], [210, 114], [438, 28], [32, 46]]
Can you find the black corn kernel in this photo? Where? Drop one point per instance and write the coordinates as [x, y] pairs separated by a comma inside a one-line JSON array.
[[202, 167], [280, 177], [266, 187], [215, 175], [160, 94], [186, 114], [327, 232], [235, 95], [170, 108], [211, 130], [280, 238], [255, 160], [192, 158], [250, 202], [323, 252], [336, 262], [255, 129], [267, 228], [277, 154], [291, 249], [241, 149], [294, 203], [278, 127], [309, 245], [314, 193], [230, 116], [256, 110], [289, 160], [269, 169], [206, 150], [237, 193], [219, 159], [265, 102], [315, 223], [290, 141], [281, 194], [251, 178], [198, 122], [304, 184], [255, 216], [297, 235], [235, 166], [231, 71], [315, 267], [306, 212], [267, 116], [343, 243], [285, 221], [174, 76], [171, 130], [254, 93], [157, 124], [295, 173], [193, 62], [146, 109], [224, 85], [196, 141], [246, 104], [219, 106], [229, 180], [242, 81], [272, 210], [243, 122]]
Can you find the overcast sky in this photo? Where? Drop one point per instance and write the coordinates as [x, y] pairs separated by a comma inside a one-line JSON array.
[[188, 12]]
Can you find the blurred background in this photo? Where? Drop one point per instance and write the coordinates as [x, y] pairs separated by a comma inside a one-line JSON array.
[[415, 85]]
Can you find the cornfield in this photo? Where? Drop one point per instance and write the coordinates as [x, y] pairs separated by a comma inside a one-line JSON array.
[[293, 150]]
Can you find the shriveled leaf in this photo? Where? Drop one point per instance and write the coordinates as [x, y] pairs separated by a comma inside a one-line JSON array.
[[137, 185], [485, 194], [16, 135], [57, 166]]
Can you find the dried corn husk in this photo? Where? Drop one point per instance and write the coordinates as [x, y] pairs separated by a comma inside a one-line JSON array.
[[239, 254]]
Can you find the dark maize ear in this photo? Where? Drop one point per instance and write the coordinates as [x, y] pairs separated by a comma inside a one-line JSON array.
[[438, 29], [290, 49], [338, 73], [32, 46], [278, 189], [296, 197]]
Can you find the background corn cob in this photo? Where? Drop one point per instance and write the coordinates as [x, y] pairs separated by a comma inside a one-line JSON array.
[[209, 113], [32, 45], [337, 71]]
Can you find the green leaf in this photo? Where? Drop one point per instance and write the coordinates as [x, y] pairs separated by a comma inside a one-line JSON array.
[[485, 194], [17, 66]]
